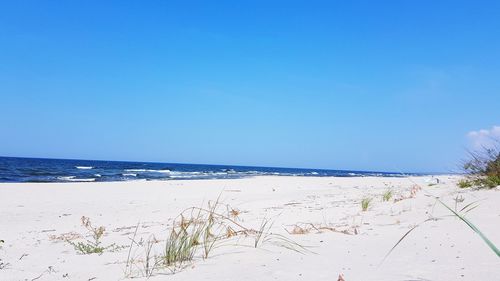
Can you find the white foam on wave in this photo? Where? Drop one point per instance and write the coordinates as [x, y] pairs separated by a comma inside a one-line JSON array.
[[129, 175], [73, 178], [84, 167], [86, 180], [136, 170], [183, 176], [147, 170]]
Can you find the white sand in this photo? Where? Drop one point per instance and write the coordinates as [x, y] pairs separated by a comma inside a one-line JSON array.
[[33, 214]]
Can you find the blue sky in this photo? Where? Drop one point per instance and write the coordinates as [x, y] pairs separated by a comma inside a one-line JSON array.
[[367, 85]]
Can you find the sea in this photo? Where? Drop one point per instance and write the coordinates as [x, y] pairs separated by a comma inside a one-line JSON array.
[[16, 169]]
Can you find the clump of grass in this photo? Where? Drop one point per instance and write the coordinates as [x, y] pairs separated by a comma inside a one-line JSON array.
[[94, 244], [195, 233], [491, 181], [365, 203], [465, 183], [483, 168], [387, 195], [181, 245]]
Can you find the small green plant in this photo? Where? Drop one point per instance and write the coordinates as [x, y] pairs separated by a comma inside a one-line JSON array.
[[387, 195], [365, 203], [94, 244], [465, 183]]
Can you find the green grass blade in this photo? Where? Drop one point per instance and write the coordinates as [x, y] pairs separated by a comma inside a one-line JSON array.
[[474, 228], [468, 205], [400, 240]]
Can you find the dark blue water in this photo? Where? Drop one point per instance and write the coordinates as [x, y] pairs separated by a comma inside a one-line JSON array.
[[13, 169]]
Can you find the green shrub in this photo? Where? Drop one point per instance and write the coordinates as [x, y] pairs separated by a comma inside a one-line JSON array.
[[491, 181], [483, 169]]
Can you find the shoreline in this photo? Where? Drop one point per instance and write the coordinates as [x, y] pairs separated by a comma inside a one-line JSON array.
[[237, 178]]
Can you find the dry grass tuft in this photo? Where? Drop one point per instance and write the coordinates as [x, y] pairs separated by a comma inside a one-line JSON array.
[[306, 228]]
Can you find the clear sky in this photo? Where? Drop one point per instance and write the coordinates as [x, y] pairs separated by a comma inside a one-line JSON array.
[[367, 85]]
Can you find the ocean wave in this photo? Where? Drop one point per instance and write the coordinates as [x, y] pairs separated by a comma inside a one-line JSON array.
[[135, 170], [147, 171], [84, 167], [75, 179], [85, 180], [60, 170]]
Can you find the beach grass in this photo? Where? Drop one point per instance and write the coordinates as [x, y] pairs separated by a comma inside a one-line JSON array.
[[366, 203], [195, 233], [460, 214], [387, 195]]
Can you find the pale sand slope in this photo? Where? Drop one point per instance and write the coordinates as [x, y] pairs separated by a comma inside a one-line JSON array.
[[439, 250]]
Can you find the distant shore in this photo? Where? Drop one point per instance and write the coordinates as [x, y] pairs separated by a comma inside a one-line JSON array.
[[41, 224]]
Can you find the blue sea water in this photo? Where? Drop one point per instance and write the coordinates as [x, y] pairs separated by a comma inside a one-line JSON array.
[[14, 169]]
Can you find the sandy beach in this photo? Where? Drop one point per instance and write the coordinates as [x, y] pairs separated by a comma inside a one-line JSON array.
[[323, 214]]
